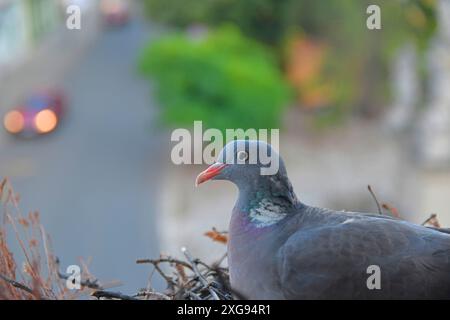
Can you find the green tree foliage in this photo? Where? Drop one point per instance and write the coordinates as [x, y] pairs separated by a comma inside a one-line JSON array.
[[270, 21], [357, 61], [259, 19], [222, 78]]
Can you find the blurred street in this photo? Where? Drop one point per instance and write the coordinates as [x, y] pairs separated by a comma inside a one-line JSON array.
[[91, 108], [94, 179]]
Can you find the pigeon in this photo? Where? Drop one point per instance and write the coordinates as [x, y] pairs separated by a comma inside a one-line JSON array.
[[281, 248]]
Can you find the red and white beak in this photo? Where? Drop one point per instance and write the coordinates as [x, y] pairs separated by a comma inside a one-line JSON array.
[[212, 171]]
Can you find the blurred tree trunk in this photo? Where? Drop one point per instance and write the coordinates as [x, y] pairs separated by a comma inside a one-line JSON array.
[[434, 127], [405, 86], [371, 98]]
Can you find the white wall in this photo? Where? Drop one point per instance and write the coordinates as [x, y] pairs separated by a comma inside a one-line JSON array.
[[13, 31]]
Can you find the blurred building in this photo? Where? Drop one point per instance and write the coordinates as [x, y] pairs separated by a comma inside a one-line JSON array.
[[23, 25], [14, 39], [33, 36], [44, 15], [435, 124]]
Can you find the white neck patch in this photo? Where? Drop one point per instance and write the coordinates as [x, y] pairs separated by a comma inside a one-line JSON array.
[[266, 214]]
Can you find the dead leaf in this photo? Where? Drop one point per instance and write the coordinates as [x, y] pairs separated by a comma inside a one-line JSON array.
[[393, 211], [217, 236]]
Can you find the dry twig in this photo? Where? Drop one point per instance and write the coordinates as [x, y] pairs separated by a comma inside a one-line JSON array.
[[375, 198], [16, 284], [102, 294], [199, 275]]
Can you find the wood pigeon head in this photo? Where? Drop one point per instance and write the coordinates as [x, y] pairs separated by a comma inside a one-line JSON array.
[[243, 162]]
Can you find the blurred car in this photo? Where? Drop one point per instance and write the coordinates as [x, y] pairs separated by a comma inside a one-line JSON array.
[[115, 12], [39, 114]]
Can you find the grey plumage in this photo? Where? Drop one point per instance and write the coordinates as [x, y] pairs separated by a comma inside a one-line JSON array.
[[280, 248]]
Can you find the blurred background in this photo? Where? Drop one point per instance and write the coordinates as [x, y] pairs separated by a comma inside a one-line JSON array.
[[87, 114]]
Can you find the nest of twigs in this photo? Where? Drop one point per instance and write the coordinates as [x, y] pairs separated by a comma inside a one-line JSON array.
[[187, 279]]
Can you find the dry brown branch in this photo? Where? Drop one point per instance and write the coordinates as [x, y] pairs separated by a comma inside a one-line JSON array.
[[226, 284], [16, 284], [195, 279], [375, 198], [162, 260], [152, 295], [202, 279], [432, 220], [393, 211], [88, 283], [38, 278], [102, 294]]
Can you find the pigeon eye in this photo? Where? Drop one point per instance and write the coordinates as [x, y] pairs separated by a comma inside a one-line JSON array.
[[242, 155]]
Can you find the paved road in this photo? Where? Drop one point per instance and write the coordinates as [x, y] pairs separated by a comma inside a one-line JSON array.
[[94, 181]]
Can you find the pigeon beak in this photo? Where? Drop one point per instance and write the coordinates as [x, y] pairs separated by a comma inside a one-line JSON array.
[[212, 171]]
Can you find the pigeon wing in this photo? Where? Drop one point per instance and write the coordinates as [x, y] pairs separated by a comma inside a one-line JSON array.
[[331, 261]]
